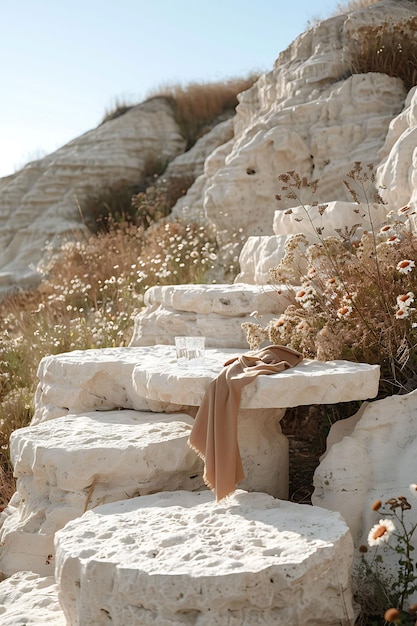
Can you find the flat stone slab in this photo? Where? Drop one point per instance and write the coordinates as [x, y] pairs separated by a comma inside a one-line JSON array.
[[87, 380], [215, 311], [181, 558], [148, 377], [311, 382], [30, 600], [68, 465], [229, 300]]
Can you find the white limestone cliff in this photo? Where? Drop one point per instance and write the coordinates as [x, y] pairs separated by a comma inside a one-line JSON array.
[[304, 115], [40, 205]]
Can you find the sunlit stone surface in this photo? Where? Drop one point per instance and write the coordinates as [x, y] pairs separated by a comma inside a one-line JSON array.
[[68, 465], [179, 558], [29, 599]]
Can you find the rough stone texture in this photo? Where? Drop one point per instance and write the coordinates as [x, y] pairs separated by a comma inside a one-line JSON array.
[[369, 456], [235, 300], [74, 463], [258, 256], [337, 215], [310, 382], [31, 600], [397, 172], [302, 115], [191, 162], [179, 558], [381, 438], [109, 378], [160, 324], [319, 138], [86, 380], [213, 311], [38, 204]]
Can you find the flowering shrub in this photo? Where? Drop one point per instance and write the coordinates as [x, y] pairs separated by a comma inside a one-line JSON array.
[[352, 297], [383, 590], [89, 298]]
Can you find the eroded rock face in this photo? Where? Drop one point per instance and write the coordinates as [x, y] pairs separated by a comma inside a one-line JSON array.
[[179, 558], [303, 115], [40, 203], [397, 172], [370, 456], [26, 598], [213, 311]]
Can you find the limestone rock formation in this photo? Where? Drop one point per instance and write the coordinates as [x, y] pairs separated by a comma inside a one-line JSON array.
[[40, 205], [79, 461], [370, 456], [303, 115], [397, 172], [256, 560], [30, 599], [214, 311]]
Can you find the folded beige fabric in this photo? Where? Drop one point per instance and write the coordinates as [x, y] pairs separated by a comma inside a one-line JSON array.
[[214, 432]]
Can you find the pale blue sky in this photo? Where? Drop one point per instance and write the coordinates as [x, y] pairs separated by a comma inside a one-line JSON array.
[[63, 63]]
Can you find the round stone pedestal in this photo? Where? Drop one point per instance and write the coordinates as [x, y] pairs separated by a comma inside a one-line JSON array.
[[179, 558]]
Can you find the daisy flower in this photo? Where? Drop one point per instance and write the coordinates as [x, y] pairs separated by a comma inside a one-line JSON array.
[[303, 296], [405, 299], [344, 311], [413, 489], [393, 239], [381, 532], [403, 210], [405, 266], [401, 314]]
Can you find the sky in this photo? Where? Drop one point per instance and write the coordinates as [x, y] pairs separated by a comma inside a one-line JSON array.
[[65, 63]]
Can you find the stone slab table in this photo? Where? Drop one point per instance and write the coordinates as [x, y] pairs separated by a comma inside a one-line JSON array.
[[263, 446], [148, 378], [179, 558]]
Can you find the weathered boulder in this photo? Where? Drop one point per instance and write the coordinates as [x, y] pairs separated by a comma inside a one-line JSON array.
[[258, 256], [215, 311], [397, 172], [179, 558], [74, 463], [370, 456], [30, 599]]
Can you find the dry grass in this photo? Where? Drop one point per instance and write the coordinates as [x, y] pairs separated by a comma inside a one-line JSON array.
[[353, 5], [89, 298], [387, 48], [198, 104], [355, 296]]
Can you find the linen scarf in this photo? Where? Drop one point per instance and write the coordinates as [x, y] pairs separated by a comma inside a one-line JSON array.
[[214, 433]]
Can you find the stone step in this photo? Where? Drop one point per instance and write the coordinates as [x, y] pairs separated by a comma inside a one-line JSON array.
[[214, 311], [31, 600], [181, 558], [68, 465], [148, 377]]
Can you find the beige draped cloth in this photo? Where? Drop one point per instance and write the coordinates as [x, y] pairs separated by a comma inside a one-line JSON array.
[[214, 433]]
